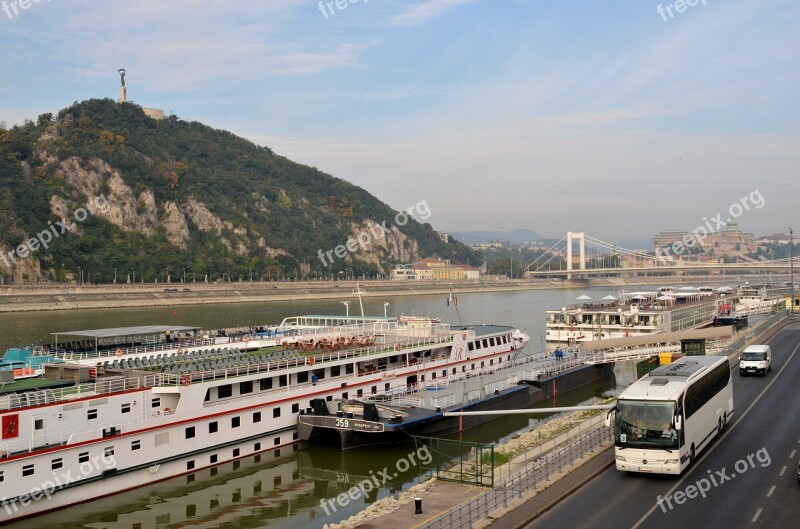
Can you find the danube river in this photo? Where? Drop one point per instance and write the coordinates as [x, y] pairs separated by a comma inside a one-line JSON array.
[[283, 488]]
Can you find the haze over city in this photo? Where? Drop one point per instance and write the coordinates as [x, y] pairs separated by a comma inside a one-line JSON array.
[[619, 119]]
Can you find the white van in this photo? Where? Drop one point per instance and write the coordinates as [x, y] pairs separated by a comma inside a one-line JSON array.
[[755, 359]]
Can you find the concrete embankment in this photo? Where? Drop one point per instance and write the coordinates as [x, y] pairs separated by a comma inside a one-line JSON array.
[[24, 298]]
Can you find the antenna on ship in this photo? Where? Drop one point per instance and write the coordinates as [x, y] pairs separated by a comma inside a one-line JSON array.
[[454, 301], [358, 291]]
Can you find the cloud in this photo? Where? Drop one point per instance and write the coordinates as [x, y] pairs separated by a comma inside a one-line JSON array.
[[425, 11]]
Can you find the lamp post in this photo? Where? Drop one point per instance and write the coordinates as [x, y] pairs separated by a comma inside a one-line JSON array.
[[791, 271], [347, 307], [385, 304]]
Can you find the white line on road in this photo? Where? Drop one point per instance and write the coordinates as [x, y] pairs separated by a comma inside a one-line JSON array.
[[782, 471], [758, 513], [771, 490], [791, 456]]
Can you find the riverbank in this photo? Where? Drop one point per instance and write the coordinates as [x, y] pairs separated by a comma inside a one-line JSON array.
[[26, 298]]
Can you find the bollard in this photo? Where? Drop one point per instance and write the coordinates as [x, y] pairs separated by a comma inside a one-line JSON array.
[[417, 505]]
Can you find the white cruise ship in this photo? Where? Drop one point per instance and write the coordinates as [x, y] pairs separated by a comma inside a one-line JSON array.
[[110, 418]]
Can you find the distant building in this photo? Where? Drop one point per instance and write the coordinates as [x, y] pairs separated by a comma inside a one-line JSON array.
[[775, 238], [667, 238], [444, 237], [434, 268], [728, 241]]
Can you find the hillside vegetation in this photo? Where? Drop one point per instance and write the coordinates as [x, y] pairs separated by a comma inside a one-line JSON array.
[[172, 195]]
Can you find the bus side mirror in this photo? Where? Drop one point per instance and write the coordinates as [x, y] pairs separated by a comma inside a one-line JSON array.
[[608, 416], [678, 422]]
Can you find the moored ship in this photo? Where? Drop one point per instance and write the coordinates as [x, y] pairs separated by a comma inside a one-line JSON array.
[[633, 314], [109, 419]]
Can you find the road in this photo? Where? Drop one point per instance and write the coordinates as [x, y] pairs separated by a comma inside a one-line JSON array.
[[754, 466]]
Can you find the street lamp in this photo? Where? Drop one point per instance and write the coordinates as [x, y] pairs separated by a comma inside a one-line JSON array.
[[385, 304], [346, 306], [791, 270]]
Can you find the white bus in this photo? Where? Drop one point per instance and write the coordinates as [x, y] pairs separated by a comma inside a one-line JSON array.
[[666, 418]]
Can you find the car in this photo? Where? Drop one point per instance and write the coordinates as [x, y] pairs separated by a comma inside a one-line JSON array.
[[755, 359]]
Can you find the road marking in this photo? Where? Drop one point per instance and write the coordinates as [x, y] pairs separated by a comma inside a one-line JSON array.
[[782, 471], [791, 456], [723, 436], [771, 490], [758, 513]]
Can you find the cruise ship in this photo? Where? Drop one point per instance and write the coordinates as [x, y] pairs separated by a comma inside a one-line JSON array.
[[112, 416], [633, 314]]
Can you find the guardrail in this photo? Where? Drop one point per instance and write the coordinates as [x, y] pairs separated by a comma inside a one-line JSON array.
[[525, 479]]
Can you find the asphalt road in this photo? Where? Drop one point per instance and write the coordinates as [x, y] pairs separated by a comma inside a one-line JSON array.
[[750, 472]]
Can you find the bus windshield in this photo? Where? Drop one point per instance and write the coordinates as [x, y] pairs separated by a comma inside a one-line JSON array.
[[645, 424]]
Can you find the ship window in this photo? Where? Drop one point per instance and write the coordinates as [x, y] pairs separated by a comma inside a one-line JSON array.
[[454, 370], [463, 369], [344, 397], [302, 377], [257, 416], [126, 408], [499, 359], [27, 470], [155, 403], [283, 381], [83, 457], [213, 458], [265, 383], [329, 398], [276, 412], [235, 422], [471, 346], [213, 427], [478, 344], [190, 432], [136, 445], [348, 369], [482, 363], [257, 447], [433, 375], [336, 371], [91, 414], [38, 424], [491, 362], [224, 391], [236, 452], [190, 465], [491, 342], [296, 407], [276, 441], [57, 463], [485, 343], [109, 451], [295, 437], [473, 367], [246, 387], [374, 389], [360, 393], [386, 386], [2, 477], [444, 372]]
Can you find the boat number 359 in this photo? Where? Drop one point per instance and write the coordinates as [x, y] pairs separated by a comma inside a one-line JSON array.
[[342, 423]]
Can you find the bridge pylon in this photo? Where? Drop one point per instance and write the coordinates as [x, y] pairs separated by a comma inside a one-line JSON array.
[[571, 237]]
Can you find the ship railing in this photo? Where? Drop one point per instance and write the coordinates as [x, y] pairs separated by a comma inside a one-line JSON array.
[[146, 348], [443, 401]]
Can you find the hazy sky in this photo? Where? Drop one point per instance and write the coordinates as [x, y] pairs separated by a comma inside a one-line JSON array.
[[603, 117]]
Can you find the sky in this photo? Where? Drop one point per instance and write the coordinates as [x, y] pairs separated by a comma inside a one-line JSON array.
[[618, 119]]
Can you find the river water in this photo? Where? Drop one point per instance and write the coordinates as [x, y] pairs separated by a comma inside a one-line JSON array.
[[283, 489]]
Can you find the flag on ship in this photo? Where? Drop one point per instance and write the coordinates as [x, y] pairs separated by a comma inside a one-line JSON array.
[[451, 300]]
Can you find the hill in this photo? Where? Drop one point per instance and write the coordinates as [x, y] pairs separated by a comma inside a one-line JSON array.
[[101, 189], [518, 236]]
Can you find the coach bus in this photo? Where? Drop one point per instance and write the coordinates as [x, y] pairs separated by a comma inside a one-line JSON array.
[[662, 421]]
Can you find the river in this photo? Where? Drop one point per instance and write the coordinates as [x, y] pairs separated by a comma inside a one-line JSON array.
[[283, 489]]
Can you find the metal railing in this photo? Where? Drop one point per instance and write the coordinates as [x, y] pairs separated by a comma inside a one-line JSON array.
[[525, 479]]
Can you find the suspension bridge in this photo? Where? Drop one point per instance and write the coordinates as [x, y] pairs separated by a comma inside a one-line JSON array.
[[599, 258]]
